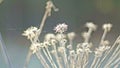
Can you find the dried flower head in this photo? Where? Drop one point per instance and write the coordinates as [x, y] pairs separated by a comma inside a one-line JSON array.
[[107, 27], [53, 42], [60, 28], [72, 53], [35, 47], [90, 25], [46, 44], [106, 42], [79, 51], [59, 37], [71, 35], [85, 35], [49, 37], [31, 32]]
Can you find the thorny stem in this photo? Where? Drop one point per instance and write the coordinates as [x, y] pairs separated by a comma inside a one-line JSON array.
[[109, 51]]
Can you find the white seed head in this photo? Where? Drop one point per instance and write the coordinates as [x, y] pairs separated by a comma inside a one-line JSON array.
[[90, 25], [106, 42], [69, 47], [98, 53], [72, 53], [46, 44], [60, 28], [53, 42], [88, 50], [107, 26], [63, 41], [85, 45], [49, 3], [49, 37], [78, 51], [59, 37], [107, 47], [35, 47], [71, 35], [85, 35], [31, 32]]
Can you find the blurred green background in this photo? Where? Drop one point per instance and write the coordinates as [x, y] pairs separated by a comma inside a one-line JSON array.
[[18, 15]]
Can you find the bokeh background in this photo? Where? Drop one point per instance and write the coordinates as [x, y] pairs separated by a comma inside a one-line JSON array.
[[18, 15]]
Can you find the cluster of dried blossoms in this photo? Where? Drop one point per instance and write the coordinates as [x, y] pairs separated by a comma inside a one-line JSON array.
[[58, 47]]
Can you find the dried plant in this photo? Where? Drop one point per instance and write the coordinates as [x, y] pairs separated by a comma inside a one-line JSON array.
[[58, 47]]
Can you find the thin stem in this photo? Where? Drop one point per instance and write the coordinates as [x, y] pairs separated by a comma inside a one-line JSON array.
[[93, 63], [42, 60], [28, 58], [116, 51], [97, 63], [56, 56], [89, 34], [53, 64], [107, 53], [103, 36], [116, 66], [112, 58], [115, 62], [42, 24], [87, 59], [47, 57], [47, 14]]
